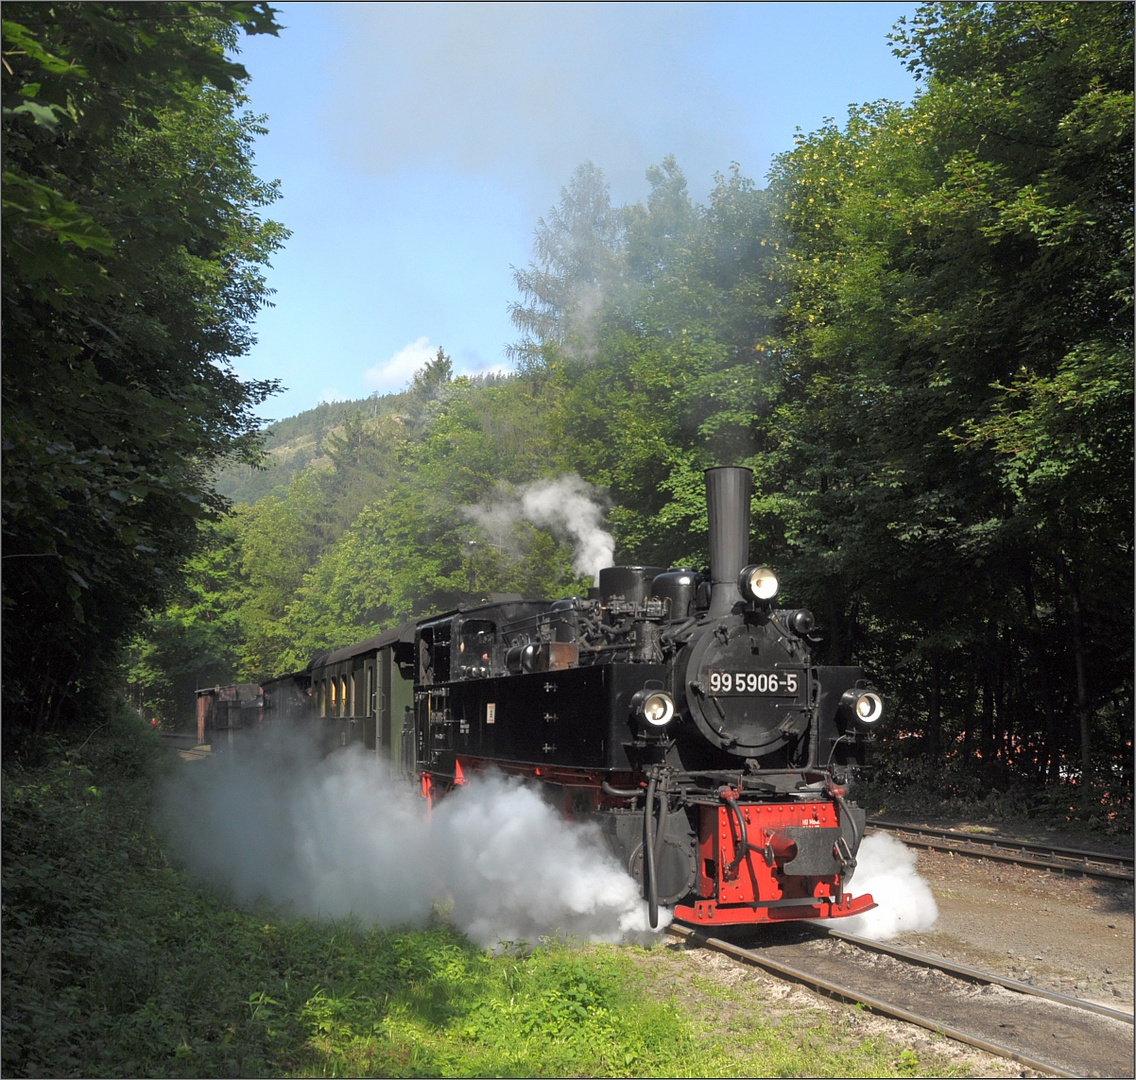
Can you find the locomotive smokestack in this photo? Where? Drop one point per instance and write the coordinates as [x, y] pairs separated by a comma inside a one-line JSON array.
[[727, 508]]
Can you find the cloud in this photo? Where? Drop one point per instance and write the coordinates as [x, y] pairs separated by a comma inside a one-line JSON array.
[[502, 89], [396, 373], [329, 394]]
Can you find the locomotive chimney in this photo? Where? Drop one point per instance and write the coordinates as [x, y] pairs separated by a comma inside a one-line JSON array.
[[727, 509]]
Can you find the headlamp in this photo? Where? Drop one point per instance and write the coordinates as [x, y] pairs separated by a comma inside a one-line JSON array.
[[758, 583], [866, 706], [656, 707]]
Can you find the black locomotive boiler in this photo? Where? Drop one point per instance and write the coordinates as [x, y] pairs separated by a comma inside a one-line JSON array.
[[683, 715]]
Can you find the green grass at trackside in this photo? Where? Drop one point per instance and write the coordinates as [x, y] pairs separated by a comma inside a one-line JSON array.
[[115, 964]]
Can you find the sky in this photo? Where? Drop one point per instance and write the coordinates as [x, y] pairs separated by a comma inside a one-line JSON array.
[[418, 145]]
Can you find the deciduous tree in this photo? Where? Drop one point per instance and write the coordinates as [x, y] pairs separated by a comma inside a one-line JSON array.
[[132, 255]]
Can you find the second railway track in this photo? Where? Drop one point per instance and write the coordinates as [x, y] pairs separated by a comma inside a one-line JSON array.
[[1005, 849], [1046, 1032]]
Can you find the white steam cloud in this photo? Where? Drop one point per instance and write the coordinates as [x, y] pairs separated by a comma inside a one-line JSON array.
[[570, 507], [519, 87], [338, 837], [886, 869]]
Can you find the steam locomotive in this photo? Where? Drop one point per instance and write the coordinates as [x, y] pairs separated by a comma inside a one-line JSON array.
[[683, 714]]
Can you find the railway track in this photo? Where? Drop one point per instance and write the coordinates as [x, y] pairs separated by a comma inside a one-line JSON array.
[[1041, 1030], [186, 745], [1003, 849]]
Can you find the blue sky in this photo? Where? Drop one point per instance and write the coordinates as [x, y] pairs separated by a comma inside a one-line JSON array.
[[418, 144]]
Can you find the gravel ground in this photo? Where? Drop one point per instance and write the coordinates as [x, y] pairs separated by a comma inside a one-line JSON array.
[[1062, 932]]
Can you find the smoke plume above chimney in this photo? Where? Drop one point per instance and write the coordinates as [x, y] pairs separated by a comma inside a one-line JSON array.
[[568, 506]]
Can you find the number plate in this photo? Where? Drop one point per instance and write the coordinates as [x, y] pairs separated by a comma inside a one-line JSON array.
[[759, 683]]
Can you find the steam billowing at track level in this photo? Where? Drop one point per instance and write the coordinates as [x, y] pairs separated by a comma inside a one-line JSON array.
[[675, 716], [886, 869], [334, 837]]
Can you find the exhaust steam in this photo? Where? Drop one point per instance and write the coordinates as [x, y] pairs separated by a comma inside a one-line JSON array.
[[336, 837], [568, 506], [886, 869]]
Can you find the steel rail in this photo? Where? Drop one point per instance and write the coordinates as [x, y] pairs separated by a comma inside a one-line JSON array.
[[1002, 849], [186, 746], [855, 997], [962, 971], [1036, 846]]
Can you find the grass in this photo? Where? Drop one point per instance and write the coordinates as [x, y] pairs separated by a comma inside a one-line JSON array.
[[115, 964]]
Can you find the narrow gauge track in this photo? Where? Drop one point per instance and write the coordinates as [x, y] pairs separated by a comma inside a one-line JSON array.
[[1044, 1031], [184, 739], [1004, 849], [185, 745]]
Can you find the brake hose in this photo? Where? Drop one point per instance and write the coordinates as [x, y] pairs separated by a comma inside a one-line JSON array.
[[851, 864]]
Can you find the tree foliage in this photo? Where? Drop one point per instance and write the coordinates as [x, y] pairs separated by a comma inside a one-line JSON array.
[[919, 335], [957, 316], [576, 253], [132, 247]]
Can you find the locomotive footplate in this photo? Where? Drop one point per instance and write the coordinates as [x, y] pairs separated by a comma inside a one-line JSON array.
[[770, 862]]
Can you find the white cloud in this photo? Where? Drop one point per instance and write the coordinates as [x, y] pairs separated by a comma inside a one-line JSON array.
[[329, 394], [394, 373]]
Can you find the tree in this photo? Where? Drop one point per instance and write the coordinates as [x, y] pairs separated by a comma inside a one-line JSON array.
[[681, 372], [957, 333], [132, 248], [194, 642], [574, 269]]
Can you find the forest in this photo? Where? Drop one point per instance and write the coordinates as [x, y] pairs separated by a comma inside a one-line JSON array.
[[917, 331]]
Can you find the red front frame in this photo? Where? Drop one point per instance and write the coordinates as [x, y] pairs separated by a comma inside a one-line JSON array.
[[755, 891]]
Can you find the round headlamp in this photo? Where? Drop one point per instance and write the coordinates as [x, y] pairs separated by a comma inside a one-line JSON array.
[[656, 707], [866, 706], [758, 583]]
